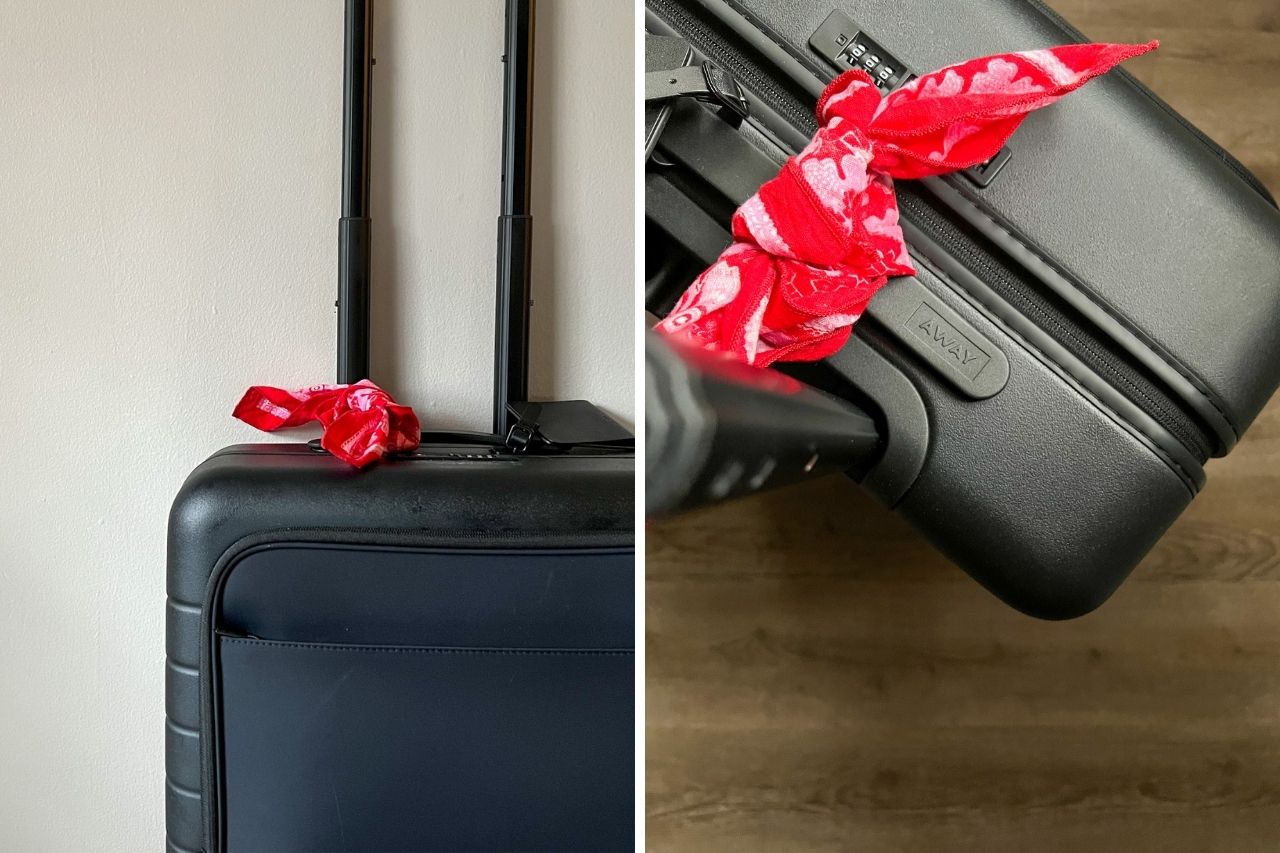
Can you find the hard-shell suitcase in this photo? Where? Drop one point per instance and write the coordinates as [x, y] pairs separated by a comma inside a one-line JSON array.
[[1115, 274], [435, 653]]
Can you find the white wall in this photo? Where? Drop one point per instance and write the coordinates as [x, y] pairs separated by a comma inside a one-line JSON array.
[[168, 204]]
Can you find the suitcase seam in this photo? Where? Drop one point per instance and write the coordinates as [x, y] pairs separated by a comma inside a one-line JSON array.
[[1197, 383], [440, 650], [1187, 479]]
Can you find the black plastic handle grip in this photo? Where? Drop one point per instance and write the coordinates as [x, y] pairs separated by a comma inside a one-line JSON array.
[[717, 429]]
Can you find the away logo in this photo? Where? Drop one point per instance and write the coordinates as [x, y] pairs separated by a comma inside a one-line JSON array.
[[947, 343]]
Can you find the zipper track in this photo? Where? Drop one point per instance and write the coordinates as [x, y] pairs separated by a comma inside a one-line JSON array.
[[1016, 289], [801, 116], [1029, 301], [717, 48]]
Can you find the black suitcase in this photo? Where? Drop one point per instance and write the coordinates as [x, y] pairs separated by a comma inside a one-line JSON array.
[[435, 653], [1120, 271]]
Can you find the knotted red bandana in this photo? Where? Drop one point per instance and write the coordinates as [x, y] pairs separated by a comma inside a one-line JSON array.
[[816, 242], [361, 421]]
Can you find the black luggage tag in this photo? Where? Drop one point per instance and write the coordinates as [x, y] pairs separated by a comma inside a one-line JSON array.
[[845, 45]]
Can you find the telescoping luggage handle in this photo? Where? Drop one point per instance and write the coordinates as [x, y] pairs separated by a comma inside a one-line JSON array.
[[353, 227], [511, 350], [523, 426], [515, 223], [511, 344]]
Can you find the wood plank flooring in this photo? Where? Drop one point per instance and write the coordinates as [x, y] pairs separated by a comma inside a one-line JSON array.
[[819, 679]]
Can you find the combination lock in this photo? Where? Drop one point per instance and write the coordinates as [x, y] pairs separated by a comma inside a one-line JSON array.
[[840, 42], [861, 52]]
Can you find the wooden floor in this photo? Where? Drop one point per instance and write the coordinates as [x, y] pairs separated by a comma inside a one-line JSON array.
[[819, 679]]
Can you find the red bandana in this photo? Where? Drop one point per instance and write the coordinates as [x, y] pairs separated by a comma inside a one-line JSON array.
[[816, 242], [361, 421]]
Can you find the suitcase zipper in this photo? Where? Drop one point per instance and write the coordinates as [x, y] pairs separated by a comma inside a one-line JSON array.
[[719, 50], [800, 114], [1030, 301], [1019, 290]]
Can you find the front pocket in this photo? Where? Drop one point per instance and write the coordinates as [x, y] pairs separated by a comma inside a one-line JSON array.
[[331, 747]]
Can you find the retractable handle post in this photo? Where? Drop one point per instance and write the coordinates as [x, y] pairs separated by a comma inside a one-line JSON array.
[[354, 227], [515, 225]]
